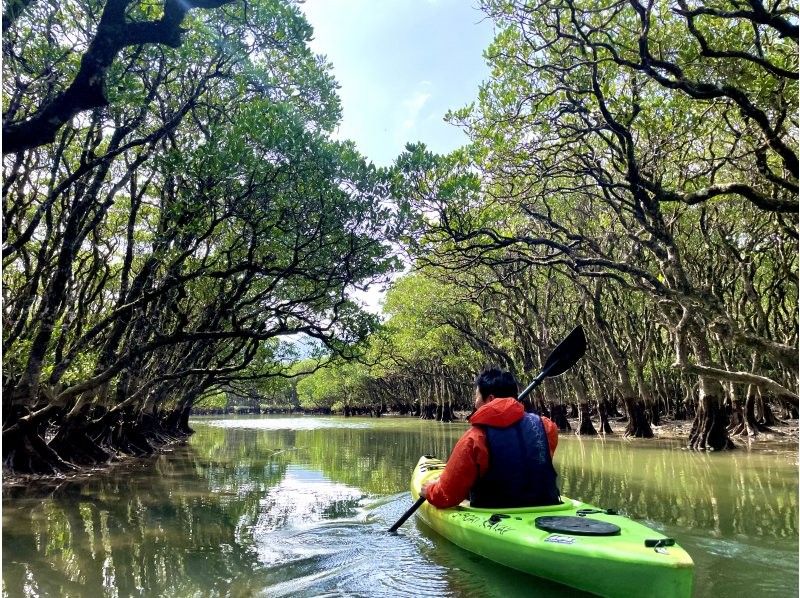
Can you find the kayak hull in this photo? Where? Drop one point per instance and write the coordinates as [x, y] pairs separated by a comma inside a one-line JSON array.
[[613, 566]]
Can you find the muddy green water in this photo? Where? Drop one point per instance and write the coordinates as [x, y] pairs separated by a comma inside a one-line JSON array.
[[299, 507]]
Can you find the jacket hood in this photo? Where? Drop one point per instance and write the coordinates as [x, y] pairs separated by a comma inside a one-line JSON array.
[[499, 413]]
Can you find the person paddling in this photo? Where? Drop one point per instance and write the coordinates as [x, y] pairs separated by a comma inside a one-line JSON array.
[[505, 458]]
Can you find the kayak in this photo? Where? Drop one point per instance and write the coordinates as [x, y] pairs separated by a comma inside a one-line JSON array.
[[572, 543]]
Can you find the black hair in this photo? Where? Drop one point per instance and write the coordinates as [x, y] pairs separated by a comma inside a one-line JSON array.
[[493, 381]]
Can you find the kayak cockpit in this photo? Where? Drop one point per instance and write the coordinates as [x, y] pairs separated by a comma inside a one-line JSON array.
[[564, 505]]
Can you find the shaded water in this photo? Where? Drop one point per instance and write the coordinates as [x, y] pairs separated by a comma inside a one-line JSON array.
[[300, 507]]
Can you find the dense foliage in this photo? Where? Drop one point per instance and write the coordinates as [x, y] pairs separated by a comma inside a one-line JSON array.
[[174, 208], [161, 240], [632, 167]]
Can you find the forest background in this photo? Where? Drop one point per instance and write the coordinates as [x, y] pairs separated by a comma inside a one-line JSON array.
[[175, 208]]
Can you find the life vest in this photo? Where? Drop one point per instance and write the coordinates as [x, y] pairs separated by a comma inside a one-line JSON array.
[[521, 472]]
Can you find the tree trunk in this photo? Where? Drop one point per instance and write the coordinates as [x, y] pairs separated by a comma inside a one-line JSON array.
[[559, 417], [416, 411], [602, 409], [74, 443], [540, 406], [766, 418], [25, 451], [653, 413], [638, 426], [737, 426], [646, 397], [428, 411], [710, 426], [611, 407], [445, 413], [585, 427], [744, 422], [573, 410]]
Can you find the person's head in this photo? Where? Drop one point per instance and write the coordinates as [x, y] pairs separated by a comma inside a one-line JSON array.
[[493, 383]]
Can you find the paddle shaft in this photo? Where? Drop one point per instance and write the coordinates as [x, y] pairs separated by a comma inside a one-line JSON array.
[[407, 514], [536, 382]]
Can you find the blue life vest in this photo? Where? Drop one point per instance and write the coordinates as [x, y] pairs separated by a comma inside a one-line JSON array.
[[521, 472]]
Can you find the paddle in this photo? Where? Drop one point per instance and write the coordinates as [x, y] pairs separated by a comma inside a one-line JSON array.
[[407, 514], [564, 356]]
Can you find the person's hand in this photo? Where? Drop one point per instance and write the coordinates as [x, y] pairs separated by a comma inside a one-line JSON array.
[[424, 490]]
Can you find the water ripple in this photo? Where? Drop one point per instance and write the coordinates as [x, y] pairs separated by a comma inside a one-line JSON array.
[[356, 556]]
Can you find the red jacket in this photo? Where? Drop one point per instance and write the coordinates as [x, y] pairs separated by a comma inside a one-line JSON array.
[[470, 457]]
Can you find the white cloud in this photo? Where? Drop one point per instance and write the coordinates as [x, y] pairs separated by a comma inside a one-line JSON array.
[[413, 105]]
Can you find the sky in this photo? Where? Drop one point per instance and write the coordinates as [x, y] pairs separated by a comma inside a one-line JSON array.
[[401, 64]]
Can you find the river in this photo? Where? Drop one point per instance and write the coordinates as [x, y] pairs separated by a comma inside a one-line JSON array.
[[299, 506]]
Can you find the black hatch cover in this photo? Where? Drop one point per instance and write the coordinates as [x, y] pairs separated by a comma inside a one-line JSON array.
[[576, 526]]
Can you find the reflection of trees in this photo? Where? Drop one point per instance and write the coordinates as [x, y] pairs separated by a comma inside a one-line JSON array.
[[204, 516], [378, 459], [138, 531], [725, 494], [186, 521]]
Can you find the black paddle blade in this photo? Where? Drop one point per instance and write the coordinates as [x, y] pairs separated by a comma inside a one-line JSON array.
[[566, 354], [563, 357]]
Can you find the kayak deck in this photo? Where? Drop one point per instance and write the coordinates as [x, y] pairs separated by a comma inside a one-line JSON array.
[[637, 561]]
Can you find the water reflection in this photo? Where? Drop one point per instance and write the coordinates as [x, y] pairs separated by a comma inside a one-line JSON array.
[[299, 506], [303, 497], [736, 513], [140, 531], [754, 493]]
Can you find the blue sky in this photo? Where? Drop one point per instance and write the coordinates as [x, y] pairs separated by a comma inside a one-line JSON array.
[[401, 64]]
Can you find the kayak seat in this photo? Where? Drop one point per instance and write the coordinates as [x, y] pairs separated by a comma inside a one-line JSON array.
[[576, 526]]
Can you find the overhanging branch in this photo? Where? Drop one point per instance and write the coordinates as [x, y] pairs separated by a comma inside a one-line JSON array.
[[87, 90]]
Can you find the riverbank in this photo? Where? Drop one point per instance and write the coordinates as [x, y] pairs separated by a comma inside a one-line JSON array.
[[785, 436], [787, 432], [52, 482]]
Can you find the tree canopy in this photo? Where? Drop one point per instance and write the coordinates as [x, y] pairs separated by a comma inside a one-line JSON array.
[[631, 166], [167, 238], [175, 208]]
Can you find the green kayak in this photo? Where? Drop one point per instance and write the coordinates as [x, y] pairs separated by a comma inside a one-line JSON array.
[[572, 543]]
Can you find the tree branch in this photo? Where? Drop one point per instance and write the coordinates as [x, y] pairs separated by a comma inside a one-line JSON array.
[[87, 90]]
